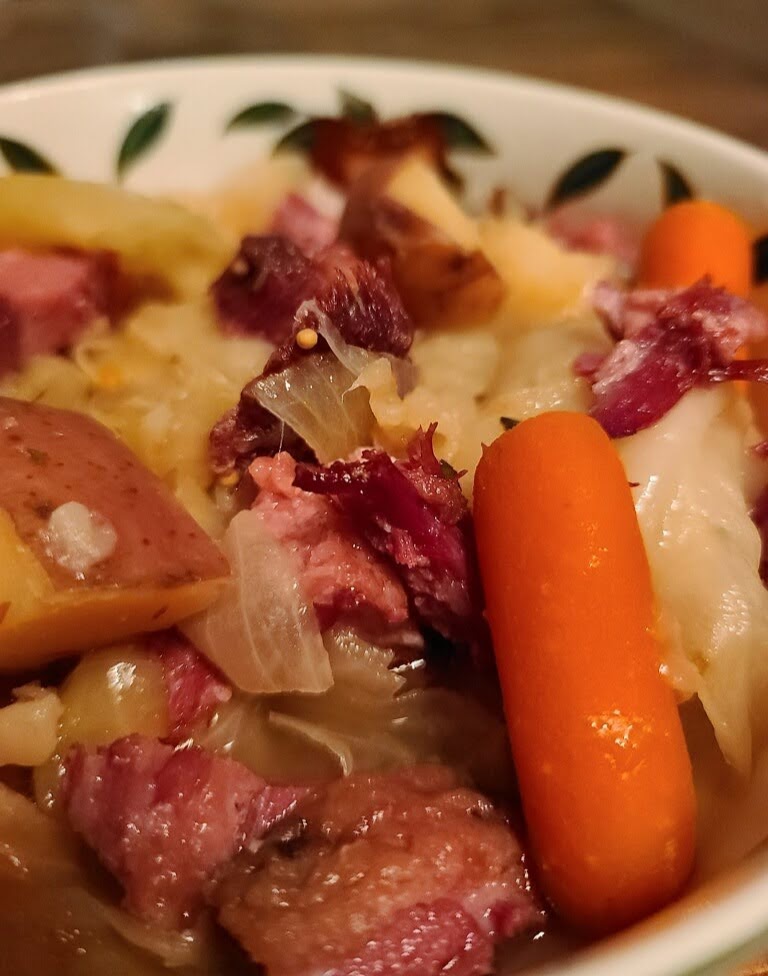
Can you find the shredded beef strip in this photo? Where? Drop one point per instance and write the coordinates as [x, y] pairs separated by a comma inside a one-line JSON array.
[[414, 513], [668, 342]]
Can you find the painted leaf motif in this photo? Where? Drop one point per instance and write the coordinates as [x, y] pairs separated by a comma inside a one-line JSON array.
[[675, 186], [356, 109], [585, 174], [142, 135], [23, 158], [458, 133], [297, 139], [261, 113]]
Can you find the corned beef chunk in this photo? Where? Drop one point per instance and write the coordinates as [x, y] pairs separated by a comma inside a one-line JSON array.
[[342, 149], [421, 940], [162, 821], [667, 343], [259, 292], [401, 873], [270, 278], [341, 575], [727, 320], [414, 513], [357, 298], [194, 687], [48, 299], [303, 224]]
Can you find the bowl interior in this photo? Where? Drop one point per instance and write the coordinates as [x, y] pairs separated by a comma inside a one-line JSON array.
[[79, 122]]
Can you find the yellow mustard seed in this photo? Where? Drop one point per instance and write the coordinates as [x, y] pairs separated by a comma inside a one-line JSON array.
[[306, 338], [110, 377]]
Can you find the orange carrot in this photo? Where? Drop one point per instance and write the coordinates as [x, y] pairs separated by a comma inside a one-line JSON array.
[[602, 765], [696, 238]]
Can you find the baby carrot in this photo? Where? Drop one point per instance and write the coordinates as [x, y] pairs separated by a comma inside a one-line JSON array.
[[695, 238], [602, 765]]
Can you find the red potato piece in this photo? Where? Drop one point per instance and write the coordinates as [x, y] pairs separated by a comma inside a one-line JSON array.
[[162, 566]]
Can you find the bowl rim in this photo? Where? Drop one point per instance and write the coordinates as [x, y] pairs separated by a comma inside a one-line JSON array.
[[638, 112], [719, 927]]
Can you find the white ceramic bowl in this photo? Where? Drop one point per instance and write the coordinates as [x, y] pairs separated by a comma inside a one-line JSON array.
[[79, 122]]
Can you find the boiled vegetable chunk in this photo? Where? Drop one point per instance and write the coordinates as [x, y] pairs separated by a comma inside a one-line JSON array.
[[403, 212], [93, 547], [156, 239]]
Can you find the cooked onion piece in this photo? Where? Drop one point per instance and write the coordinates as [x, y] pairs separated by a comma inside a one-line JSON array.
[[261, 632], [315, 397], [369, 719], [29, 727]]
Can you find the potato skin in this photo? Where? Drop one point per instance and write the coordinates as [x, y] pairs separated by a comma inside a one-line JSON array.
[[163, 567]]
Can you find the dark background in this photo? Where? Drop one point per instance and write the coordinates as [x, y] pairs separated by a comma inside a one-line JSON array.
[[706, 59]]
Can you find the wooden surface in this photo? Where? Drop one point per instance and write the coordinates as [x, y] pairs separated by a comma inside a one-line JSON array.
[[691, 68]]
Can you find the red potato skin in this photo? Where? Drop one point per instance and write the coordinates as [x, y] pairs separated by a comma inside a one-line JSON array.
[[603, 769], [49, 457], [163, 568]]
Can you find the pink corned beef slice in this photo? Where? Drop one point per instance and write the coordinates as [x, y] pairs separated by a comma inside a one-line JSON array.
[[667, 343], [162, 821], [424, 939], [340, 573], [47, 300], [194, 687], [414, 513], [404, 873], [303, 224]]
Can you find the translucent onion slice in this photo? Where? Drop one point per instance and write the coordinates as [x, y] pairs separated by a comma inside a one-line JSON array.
[[262, 633], [368, 720], [315, 398], [320, 397], [357, 359]]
